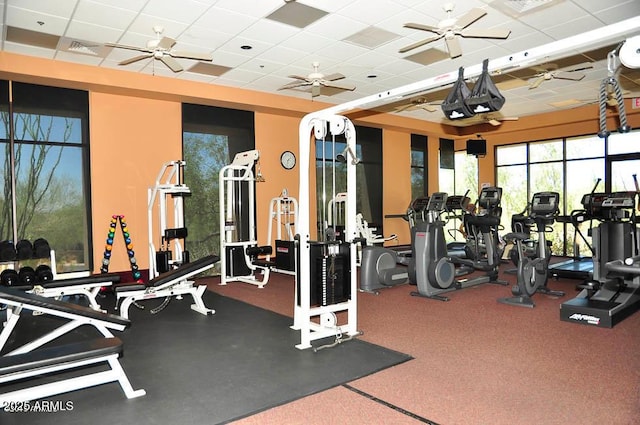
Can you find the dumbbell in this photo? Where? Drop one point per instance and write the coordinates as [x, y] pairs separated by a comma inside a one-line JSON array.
[[41, 248], [7, 251], [27, 276], [24, 249], [9, 277], [44, 273]]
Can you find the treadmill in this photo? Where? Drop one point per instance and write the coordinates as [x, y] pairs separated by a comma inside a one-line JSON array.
[[581, 267]]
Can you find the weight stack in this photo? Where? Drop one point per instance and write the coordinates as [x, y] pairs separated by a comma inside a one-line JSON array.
[[330, 281]]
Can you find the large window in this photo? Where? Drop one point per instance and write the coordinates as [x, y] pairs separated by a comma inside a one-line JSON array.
[[331, 178], [44, 135], [573, 167], [418, 165], [211, 137]]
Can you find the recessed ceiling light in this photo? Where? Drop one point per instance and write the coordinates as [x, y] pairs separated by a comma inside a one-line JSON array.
[[246, 47]]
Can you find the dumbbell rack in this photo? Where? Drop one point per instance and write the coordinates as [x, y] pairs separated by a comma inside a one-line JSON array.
[[115, 219], [27, 270]]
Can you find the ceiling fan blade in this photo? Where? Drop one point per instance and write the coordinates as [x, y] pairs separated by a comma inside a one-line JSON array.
[[580, 68], [470, 17], [191, 55], [315, 90], [453, 45], [299, 77], [171, 63], [166, 43], [485, 33], [420, 43], [428, 107], [422, 27], [338, 86], [135, 59], [124, 46], [536, 83], [560, 75], [334, 77], [294, 84], [407, 107], [494, 122]]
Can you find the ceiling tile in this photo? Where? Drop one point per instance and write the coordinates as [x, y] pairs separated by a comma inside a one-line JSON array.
[[221, 27]]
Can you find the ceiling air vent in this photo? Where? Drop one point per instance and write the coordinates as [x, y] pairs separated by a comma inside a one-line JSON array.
[[517, 8], [83, 47]]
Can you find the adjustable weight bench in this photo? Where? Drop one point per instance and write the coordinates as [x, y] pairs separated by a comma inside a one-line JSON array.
[[87, 286], [30, 360], [167, 285], [45, 361]]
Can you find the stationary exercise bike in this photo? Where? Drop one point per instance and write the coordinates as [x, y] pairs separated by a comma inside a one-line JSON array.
[[533, 264]]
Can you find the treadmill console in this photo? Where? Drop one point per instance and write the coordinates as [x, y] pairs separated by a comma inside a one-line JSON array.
[[610, 206]]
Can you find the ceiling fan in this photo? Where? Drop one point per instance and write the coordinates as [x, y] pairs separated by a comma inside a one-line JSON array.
[[316, 81], [494, 119], [160, 49], [550, 72], [420, 103], [452, 28]]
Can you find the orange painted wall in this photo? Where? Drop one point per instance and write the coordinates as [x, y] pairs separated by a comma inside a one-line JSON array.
[[135, 126], [274, 135], [396, 189], [131, 138]]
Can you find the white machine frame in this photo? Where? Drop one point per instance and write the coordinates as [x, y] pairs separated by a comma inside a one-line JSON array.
[[283, 210], [240, 170], [305, 316], [168, 184]]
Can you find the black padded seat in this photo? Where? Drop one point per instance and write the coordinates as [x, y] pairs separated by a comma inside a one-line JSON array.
[[172, 274], [17, 296], [84, 280], [49, 356]]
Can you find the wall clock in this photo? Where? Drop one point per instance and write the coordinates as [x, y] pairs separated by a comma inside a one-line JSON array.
[[288, 160]]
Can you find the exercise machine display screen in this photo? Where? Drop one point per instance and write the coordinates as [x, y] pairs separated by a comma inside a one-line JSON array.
[[545, 203]]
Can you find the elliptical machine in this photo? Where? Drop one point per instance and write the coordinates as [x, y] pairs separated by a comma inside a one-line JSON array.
[[430, 267], [435, 271], [533, 264]]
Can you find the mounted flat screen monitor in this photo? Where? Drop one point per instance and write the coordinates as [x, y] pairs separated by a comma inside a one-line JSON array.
[[477, 147]]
